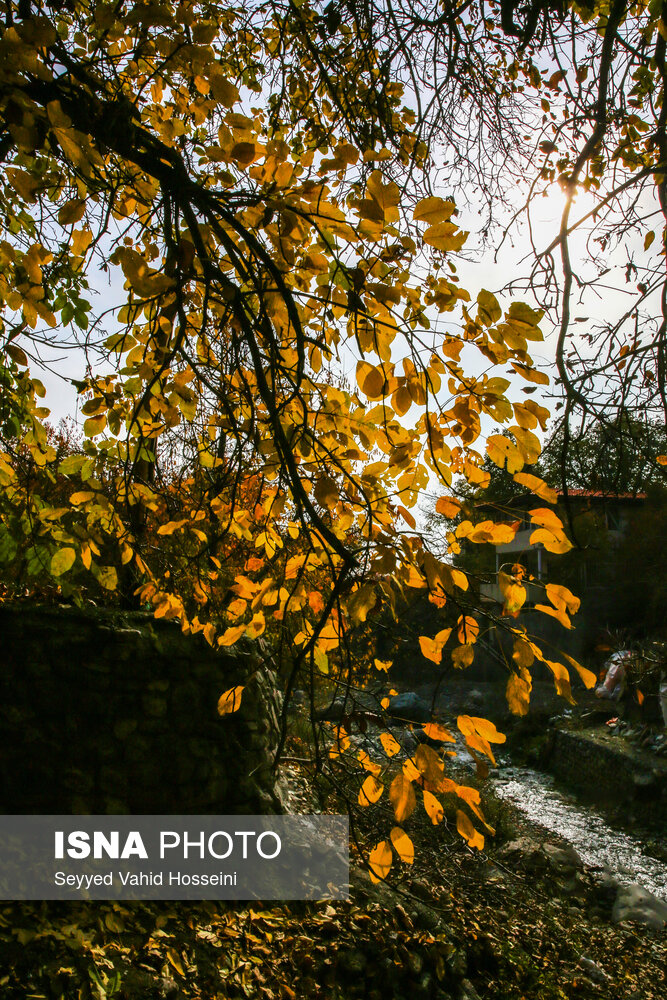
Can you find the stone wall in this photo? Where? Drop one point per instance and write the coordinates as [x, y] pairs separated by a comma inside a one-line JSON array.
[[107, 712], [608, 775]]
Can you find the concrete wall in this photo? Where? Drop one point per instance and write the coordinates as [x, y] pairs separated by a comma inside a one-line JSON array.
[[104, 712]]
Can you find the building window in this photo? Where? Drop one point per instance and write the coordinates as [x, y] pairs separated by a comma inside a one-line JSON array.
[[613, 516]]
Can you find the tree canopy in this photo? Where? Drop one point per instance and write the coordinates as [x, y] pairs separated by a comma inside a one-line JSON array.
[[284, 356]]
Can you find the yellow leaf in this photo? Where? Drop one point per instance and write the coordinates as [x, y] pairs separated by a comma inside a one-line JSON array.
[[518, 693], [515, 598], [561, 679], [370, 791], [62, 561], [437, 732], [587, 676], [407, 516], [82, 497], [81, 240], [459, 579], [552, 541], [402, 797], [648, 239], [257, 625], [445, 236], [487, 730], [382, 664], [468, 629], [448, 507], [170, 527], [468, 831], [433, 210], [430, 649], [433, 808], [237, 608], [368, 764], [523, 654], [106, 576], [489, 310], [371, 380], [546, 518], [503, 452], [562, 598], [379, 861], [95, 425], [530, 374], [18, 355], [175, 961], [390, 744], [386, 196], [474, 738], [402, 845], [223, 90], [361, 602], [23, 182], [463, 656], [661, 459], [231, 635], [528, 443], [536, 486], [230, 701], [557, 613], [244, 153]]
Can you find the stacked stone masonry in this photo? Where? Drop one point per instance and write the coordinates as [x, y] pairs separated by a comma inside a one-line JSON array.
[[109, 712]]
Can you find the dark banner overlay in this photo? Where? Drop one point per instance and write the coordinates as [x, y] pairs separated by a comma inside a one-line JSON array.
[[174, 857]]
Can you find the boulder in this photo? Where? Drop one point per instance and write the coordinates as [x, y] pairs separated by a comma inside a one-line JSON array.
[[564, 860], [634, 902], [409, 707]]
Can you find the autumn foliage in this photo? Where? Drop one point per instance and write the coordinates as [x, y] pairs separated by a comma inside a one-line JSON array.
[[286, 359]]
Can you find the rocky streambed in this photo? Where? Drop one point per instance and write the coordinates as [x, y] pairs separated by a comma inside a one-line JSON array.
[[621, 855]]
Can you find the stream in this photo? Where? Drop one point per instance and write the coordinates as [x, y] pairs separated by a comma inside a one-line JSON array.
[[599, 844]]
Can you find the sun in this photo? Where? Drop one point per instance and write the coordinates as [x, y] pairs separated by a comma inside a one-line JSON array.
[[548, 208]]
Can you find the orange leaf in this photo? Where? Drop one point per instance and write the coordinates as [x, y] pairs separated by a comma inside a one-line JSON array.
[[468, 831], [403, 845], [390, 745], [230, 701], [433, 808], [379, 861], [402, 797], [438, 732], [370, 791]]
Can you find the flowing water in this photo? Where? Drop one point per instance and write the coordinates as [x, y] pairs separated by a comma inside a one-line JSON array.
[[598, 844]]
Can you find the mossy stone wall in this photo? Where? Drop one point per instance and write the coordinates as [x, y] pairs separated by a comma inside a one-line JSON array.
[[109, 712]]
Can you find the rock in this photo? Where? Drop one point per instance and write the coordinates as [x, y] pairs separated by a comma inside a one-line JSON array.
[[457, 963], [415, 963], [298, 698], [523, 852], [605, 888], [335, 711], [565, 860], [591, 970], [633, 902], [475, 699], [410, 707], [353, 962], [468, 991], [424, 988]]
